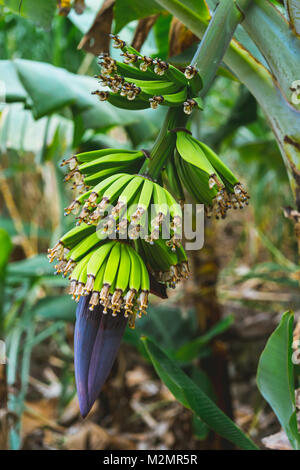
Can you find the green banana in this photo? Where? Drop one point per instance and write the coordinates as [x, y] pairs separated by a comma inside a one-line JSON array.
[[126, 70], [154, 87], [98, 190], [175, 99], [124, 269], [190, 150], [110, 161], [97, 259], [76, 234], [224, 172], [85, 157], [144, 200], [112, 265], [123, 103], [85, 245], [98, 177], [129, 192], [94, 300], [75, 275], [110, 274]]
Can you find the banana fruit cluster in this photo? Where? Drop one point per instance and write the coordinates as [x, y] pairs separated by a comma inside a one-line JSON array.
[[140, 82], [90, 168], [205, 176], [131, 205], [113, 272]]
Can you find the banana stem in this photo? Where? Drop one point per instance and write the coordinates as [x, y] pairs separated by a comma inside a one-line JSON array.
[[164, 144], [227, 15]]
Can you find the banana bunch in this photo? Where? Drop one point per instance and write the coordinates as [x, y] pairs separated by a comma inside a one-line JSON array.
[[90, 168], [141, 81], [114, 273], [206, 177], [130, 205], [167, 266]]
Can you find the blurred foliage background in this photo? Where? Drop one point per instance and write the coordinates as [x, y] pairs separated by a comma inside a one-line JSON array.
[[245, 277]]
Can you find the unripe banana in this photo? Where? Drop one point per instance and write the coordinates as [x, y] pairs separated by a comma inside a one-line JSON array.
[[85, 245], [98, 177], [127, 71], [112, 265], [98, 190], [124, 269], [173, 180], [144, 200], [190, 150], [97, 259], [85, 157], [111, 161], [225, 173], [123, 103], [129, 192], [110, 275], [155, 87], [75, 235], [95, 297], [175, 99], [75, 275]]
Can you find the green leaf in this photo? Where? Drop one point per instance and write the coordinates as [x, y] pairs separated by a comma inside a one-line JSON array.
[[36, 266], [60, 307], [126, 11], [14, 90], [293, 9], [6, 247], [275, 377], [52, 88], [190, 350], [198, 6], [40, 12], [192, 397]]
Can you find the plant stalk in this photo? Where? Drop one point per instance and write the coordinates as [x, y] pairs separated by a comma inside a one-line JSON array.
[[217, 38], [164, 144]]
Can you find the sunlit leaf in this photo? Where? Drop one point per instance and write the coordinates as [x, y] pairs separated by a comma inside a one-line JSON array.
[[192, 397], [191, 349], [275, 377], [40, 12]]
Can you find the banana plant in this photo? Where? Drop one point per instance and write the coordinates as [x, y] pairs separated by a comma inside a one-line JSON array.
[[111, 267], [119, 250]]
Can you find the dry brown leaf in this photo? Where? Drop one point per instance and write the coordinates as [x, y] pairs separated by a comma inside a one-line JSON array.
[[142, 30], [278, 441], [70, 413], [136, 376], [121, 443], [87, 436], [96, 40], [90, 436], [39, 414], [180, 38]]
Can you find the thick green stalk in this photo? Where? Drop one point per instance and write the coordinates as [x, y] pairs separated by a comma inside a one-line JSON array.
[[217, 38], [277, 42], [164, 144]]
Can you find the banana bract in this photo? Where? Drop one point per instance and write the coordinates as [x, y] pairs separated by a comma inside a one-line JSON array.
[[140, 82]]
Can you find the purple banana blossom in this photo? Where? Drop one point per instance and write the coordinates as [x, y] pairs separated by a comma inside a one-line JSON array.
[[96, 343]]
